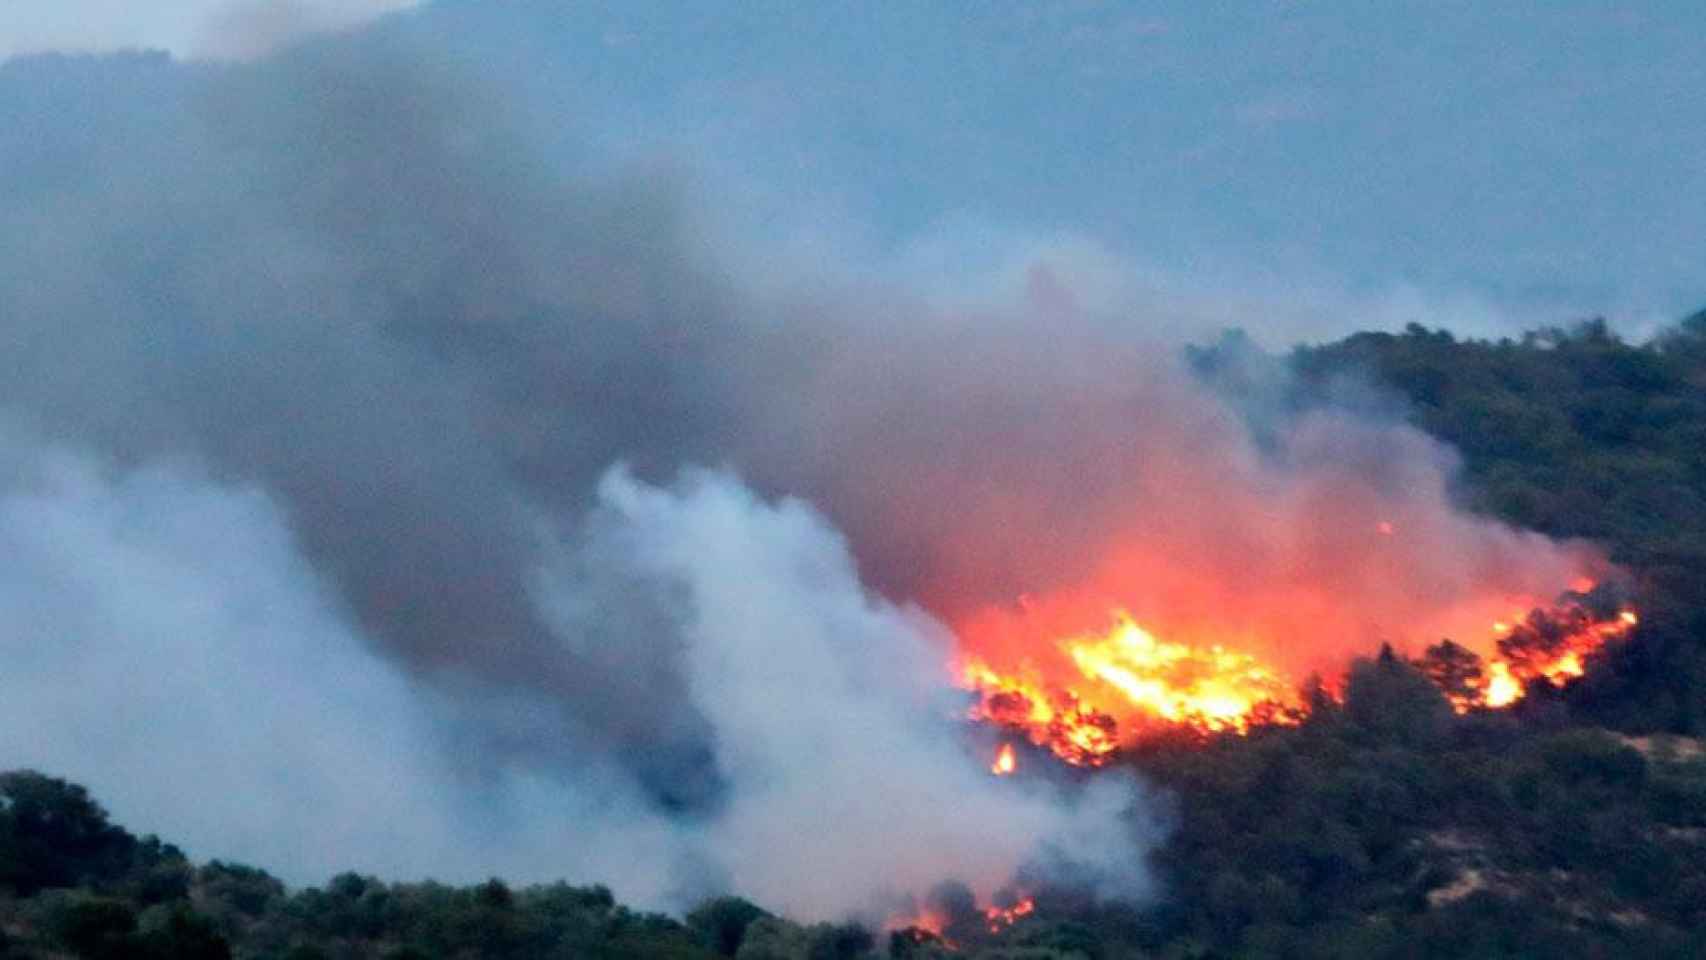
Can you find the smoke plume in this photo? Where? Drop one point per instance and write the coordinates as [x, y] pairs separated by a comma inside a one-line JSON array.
[[390, 492]]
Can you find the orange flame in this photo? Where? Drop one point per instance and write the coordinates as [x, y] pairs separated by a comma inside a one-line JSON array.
[[1209, 688], [929, 920], [931, 923], [1000, 918], [1126, 683], [1053, 719], [1140, 683], [1005, 763], [1501, 690], [1549, 646], [926, 927]]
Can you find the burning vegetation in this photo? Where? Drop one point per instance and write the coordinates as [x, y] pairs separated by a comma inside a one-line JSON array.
[[951, 916], [1125, 684], [1546, 647]]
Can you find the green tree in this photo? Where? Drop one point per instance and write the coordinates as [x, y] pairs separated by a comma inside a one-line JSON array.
[[773, 938], [93, 927], [1388, 700], [53, 835], [721, 922], [183, 935]]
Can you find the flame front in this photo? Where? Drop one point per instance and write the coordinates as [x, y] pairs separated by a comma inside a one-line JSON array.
[[1000, 918], [941, 925], [1139, 683], [1049, 718], [1501, 690], [1125, 683], [1545, 646], [1208, 688]]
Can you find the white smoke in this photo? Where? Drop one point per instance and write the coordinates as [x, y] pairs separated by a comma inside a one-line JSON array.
[[846, 782], [169, 647]]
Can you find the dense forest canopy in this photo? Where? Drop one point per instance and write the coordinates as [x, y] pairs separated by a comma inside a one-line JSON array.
[[1384, 826]]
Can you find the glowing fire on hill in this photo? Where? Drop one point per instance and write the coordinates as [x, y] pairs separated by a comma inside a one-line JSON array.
[[942, 924], [1000, 918], [1546, 646], [1118, 686]]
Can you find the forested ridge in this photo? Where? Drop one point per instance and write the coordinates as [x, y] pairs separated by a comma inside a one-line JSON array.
[[1385, 826], [1575, 433]]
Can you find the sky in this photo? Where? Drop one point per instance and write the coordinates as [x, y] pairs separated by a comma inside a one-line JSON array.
[[185, 28], [1483, 166]]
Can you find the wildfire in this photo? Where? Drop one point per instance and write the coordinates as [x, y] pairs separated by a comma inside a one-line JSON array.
[[1501, 690], [1209, 689], [1053, 719], [1549, 646], [1000, 918], [1150, 683], [1126, 683], [944, 924], [931, 920]]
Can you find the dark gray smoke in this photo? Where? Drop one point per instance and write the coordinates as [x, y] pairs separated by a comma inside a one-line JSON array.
[[337, 303], [341, 277]]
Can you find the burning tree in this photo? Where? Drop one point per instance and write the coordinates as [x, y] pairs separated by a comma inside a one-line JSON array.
[[1456, 670]]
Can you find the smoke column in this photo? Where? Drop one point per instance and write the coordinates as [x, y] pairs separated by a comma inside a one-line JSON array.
[[427, 503]]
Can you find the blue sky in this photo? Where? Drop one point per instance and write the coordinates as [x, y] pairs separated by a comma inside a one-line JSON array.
[[1526, 161], [1532, 153]]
